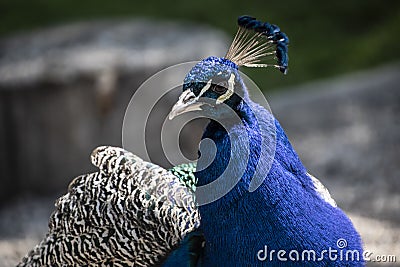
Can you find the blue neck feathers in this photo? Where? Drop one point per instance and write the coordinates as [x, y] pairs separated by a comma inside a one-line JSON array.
[[285, 212]]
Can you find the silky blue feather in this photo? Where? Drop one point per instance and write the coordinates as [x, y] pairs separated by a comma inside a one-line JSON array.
[[284, 213]]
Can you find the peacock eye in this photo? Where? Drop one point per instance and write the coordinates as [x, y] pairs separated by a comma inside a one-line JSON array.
[[221, 87]]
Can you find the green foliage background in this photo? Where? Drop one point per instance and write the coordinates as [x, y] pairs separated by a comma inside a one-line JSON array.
[[327, 37]]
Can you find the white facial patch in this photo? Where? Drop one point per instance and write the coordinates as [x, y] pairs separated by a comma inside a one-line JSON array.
[[185, 103], [205, 88], [229, 92], [185, 96]]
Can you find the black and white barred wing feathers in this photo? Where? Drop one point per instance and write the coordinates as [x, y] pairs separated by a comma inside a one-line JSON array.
[[129, 213]]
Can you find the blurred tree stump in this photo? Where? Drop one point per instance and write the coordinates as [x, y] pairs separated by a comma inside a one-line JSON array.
[[64, 91]]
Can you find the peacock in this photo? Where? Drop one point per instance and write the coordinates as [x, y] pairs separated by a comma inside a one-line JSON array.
[[248, 201]]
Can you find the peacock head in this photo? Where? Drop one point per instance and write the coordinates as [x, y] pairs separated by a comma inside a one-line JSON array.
[[214, 83], [209, 85]]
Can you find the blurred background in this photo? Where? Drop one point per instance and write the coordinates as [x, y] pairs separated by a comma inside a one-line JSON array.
[[69, 68]]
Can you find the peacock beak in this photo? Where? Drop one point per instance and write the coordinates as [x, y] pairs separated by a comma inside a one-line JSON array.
[[187, 102]]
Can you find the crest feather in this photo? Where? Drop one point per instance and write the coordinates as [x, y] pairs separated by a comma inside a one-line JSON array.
[[257, 42]]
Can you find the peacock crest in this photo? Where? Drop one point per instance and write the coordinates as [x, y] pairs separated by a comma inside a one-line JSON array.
[[259, 44]]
